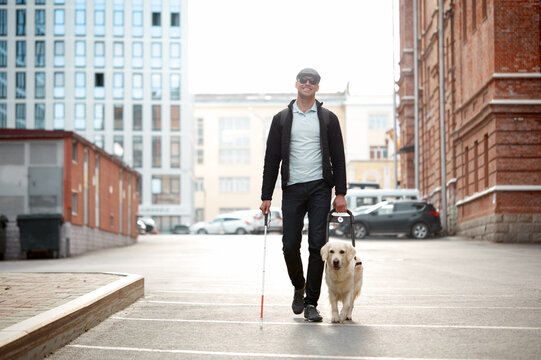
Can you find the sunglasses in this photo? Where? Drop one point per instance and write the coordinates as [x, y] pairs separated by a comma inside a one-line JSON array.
[[305, 79]]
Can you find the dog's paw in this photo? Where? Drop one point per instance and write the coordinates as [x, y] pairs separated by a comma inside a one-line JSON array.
[[335, 320]]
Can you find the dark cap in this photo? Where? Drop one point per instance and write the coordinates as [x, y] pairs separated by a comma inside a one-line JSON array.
[[311, 72]]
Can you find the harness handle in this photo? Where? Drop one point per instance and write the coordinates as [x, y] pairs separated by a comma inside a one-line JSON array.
[[352, 229]]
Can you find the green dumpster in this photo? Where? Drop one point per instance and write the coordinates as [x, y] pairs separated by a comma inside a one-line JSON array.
[[3, 226], [40, 233]]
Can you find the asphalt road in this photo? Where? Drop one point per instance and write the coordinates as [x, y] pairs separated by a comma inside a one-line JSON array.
[[446, 298]]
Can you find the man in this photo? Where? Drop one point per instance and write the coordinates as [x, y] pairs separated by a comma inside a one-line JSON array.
[[307, 140]]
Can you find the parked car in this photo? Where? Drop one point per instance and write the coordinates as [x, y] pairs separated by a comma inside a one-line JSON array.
[[275, 221], [223, 225], [149, 225], [141, 227], [181, 229], [416, 218]]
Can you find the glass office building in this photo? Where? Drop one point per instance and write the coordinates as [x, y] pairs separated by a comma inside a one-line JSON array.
[[114, 71]]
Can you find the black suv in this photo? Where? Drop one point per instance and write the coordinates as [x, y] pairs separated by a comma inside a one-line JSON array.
[[416, 218]]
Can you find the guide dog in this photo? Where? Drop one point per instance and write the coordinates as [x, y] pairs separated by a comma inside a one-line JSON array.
[[344, 277]]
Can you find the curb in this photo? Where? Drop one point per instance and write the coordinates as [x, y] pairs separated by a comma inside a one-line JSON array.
[[42, 334]]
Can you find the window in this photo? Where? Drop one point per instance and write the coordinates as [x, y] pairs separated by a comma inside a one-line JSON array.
[[59, 52], [378, 152], [59, 81], [40, 2], [3, 53], [99, 86], [99, 22], [98, 140], [175, 86], [3, 22], [378, 121], [80, 116], [137, 23], [80, 53], [234, 140], [99, 54], [464, 21], [58, 116], [484, 8], [200, 156], [200, 132], [99, 115], [474, 14], [137, 55], [3, 85], [118, 85], [74, 202], [137, 117], [118, 146], [166, 189], [20, 116], [40, 53], [40, 22], [21, 22], [156, 83], [118, 23], [156, 151], [3, 116], [174, 55], [39, 85], [39, 116], [156, 117], [80, 21], [20, 59], [175, 151], [80, 85], [175, 19], [118, 54], [118, 111], [59, 28], [156, 55], [156, 29], [234, 184], [20, 85], [74, 151], [175, 117], [137, 151], [137, 86]]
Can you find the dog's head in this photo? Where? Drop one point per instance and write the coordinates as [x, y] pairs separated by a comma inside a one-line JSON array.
[[338, 254]]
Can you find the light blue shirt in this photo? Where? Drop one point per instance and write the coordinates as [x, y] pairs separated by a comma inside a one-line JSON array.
[[305, 149]]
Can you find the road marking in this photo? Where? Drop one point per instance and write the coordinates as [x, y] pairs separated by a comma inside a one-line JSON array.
[[240, 354], [192, 303], [302, 323]]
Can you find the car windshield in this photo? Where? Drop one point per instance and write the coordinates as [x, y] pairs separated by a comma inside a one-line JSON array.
[[366, 210]]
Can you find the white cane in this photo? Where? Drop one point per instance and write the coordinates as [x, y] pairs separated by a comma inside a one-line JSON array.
[[267, 221]]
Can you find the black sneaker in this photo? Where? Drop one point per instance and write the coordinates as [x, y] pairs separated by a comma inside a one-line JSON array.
[[312, 314], [298, 301]]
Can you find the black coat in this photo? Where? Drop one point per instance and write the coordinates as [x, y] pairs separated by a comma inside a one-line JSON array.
[[332, 152]]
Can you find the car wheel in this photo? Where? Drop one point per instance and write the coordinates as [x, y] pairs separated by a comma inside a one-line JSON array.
[[419, 231], [201, 231], [360, 231], [241, 231]]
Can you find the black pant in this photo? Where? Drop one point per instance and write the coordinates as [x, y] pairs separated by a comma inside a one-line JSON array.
[[313, 197]]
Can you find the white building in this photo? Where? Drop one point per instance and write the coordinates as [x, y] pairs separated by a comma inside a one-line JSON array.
[[113, 71]]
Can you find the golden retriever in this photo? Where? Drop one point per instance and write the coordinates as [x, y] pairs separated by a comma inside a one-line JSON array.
[[344, 277]]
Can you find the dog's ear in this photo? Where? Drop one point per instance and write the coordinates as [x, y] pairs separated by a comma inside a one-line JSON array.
[[325, 251], [350, 252]]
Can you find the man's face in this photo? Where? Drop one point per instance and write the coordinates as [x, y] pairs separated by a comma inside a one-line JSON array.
[[307, 86]]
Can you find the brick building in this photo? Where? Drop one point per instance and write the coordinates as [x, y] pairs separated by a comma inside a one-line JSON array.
[[60, 172], [492, 72]]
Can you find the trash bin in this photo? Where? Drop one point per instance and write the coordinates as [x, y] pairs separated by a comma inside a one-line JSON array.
[[40, 233], [3, 226]]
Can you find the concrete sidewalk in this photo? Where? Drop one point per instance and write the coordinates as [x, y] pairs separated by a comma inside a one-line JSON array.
[[40, 312]]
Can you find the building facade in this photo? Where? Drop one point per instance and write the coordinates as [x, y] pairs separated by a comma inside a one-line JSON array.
[[492, 102], [114, 71], [231, 133], [60, 172]]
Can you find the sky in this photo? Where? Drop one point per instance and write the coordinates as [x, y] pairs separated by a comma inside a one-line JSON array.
[[259, 46]]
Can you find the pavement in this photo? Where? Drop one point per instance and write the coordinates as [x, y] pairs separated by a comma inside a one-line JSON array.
[[40, 312], [444, 298]]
